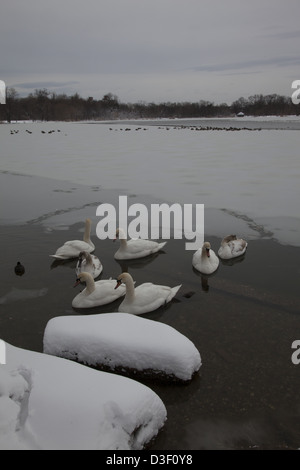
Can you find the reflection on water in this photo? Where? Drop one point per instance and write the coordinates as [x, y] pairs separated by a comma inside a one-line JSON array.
[[224, 434], [139, 263], [233, 261], [205, 278]]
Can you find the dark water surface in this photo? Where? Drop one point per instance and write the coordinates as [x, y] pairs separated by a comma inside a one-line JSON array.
[[243, 320]]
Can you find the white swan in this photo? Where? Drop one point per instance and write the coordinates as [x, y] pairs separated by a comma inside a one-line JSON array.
[[144, 298], [231, 247], [96, 293], [88, 263], [72, 248], [135, 248], [205, 260]]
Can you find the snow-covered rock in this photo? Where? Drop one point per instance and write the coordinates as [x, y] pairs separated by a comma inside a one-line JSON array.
[[123, 342], [48, 403]]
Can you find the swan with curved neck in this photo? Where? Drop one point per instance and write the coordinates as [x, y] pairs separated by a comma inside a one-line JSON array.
[[88, 263], [72, 248], [135, 248], [232, 247], [96, 293], [205, 260], [144, 298]]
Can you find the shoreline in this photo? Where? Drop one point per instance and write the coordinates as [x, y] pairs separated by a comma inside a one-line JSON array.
[[290, 122], [250, 122]]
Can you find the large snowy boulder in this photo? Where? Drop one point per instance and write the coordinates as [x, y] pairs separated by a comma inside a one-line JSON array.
[[123, 343]]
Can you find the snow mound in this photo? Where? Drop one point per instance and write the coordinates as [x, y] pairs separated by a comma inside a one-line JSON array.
[[13, 391], [123, 342], [49, 403]]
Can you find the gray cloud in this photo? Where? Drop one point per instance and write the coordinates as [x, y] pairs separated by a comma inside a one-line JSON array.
[[275, 61], [44, 84], [147, 50], [286, 35]]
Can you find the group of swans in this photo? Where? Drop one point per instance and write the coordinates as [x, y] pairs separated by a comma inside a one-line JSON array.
[[205, 259], [129, 249], [145, 297]]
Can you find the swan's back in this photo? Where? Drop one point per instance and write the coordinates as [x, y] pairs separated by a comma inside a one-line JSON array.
[[72, 248], [138, 248], [103, 294], [148, 297], [232, 247], [89, 263]]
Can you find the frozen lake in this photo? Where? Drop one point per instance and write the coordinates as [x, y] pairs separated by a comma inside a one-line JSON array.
[[252, 175]]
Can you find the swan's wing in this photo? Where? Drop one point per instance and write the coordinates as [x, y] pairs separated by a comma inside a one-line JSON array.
[[104, 293], [154, 295], [71, 249], [140, 245], [105, 290], [238, 247]]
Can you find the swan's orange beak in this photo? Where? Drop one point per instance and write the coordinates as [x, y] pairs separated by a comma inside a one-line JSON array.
[[77, 282], [207, 252], [118, 283]]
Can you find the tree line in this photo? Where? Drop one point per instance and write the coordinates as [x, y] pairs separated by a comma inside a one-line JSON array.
[[43, 105]]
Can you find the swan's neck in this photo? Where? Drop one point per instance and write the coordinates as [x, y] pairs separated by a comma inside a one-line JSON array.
[[123, 243], [130, 291], [122, 238], [90, 286], [88, 259]]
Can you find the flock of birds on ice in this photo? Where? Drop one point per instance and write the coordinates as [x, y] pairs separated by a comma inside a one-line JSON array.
[[146, 297]]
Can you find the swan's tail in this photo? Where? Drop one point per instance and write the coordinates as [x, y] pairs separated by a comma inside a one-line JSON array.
[[161, 245], [173, 292]]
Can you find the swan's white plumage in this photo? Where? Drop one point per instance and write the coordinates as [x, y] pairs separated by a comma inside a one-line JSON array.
[[88, 263], [72, 248], [135, 248], [205, 260], [144, 298], [232, 247], [96, 293]]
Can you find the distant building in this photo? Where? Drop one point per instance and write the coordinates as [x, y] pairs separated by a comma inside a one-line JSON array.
[[240, 114]]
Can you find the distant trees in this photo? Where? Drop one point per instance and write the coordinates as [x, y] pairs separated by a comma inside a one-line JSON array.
[[11, 107], [259, 105], [43, 105]]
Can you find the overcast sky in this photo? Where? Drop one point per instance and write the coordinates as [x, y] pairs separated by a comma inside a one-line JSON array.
[[151, 50]]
